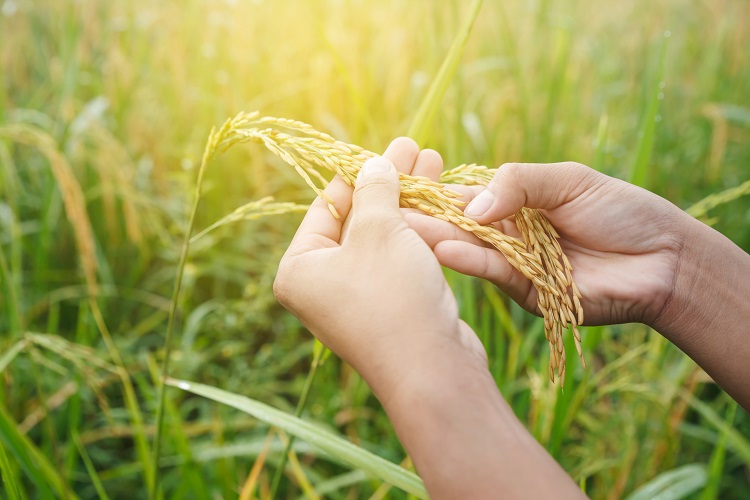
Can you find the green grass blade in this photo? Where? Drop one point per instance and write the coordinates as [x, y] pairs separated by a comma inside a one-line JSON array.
[[735, 441], [89, 467], [9, 478], [330, 486], [420, 126], [317, 356], [639, 173], [601, 143], [700, 209], [13, 309], [11, 354], [41, 472], [672, 485], [194, 481], [326, 441], [716, 464], [153, 477]]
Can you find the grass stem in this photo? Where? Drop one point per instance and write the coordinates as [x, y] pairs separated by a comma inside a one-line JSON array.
[[317, 356], [171, 321]]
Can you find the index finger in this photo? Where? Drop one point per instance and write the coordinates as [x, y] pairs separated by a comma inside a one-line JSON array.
[[319, 228]]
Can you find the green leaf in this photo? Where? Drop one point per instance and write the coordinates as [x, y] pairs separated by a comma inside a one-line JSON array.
[[672, 485], [324, 440], [11, 354], [89, 466], [9, 477], [639, 173], [41, 472], [420, 126], [735, 442], [716, 464]]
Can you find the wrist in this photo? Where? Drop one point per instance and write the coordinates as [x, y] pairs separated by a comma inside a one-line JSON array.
[[706, 314], [463, 437], [416, 359], [686, 299]]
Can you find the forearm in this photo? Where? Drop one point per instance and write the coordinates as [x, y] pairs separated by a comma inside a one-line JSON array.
[[464, 439], [708, 314]]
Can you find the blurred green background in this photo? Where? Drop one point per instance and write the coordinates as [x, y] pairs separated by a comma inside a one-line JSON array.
[[110, 104]]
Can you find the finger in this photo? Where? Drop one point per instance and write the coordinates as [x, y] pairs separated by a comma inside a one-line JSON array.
[[429, 164], [489, 264], [319, 228], [532, 185], [377, 191], [433, 230], [403, 153], [467, 193]]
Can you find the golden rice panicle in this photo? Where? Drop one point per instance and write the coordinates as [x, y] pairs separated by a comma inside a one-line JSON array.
[[537, 254]]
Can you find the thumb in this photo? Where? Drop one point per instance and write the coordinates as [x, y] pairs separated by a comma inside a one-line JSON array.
[[376, 191], [532, 185]]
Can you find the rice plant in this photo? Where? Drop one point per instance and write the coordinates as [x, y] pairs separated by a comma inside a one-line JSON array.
[[104, 113]]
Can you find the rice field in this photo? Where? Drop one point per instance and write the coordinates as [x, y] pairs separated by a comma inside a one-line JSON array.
[[105, 111]]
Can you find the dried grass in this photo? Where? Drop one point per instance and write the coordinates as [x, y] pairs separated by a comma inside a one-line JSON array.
[[537, 255]]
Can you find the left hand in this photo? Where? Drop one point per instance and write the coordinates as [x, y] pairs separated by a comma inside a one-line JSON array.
[[367, 286], [371, 290]]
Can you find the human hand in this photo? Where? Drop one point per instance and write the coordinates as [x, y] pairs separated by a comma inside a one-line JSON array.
[[623, 242], [370, 289], [366, 285]]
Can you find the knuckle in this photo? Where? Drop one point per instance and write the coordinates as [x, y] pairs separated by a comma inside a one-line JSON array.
[[508, 167], [575, 165], [506, 173], [508, 170], [579, 170], [582, 176], [373, 186]]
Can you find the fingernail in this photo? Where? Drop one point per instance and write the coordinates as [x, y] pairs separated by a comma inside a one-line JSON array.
[[480, 204], [374, 165]]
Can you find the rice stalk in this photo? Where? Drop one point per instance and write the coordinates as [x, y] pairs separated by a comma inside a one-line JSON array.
[[93, 475], [700, 210], [214, 145], [318, 357], [251, 211], [537, 255]]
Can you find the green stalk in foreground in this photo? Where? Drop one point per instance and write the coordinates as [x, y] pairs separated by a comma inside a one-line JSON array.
[[639, 174], [420, 126], [213, 139], [318, 356], [330, 444]]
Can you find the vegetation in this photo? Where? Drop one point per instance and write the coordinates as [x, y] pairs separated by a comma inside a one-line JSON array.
[[105, 108]]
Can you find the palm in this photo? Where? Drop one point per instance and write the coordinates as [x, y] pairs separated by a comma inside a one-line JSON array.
[[623, 253]]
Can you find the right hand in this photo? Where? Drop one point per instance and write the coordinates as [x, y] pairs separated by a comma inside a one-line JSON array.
[[623, 242]]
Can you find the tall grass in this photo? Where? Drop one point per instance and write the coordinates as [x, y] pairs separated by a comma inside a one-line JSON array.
[[123, 93]]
